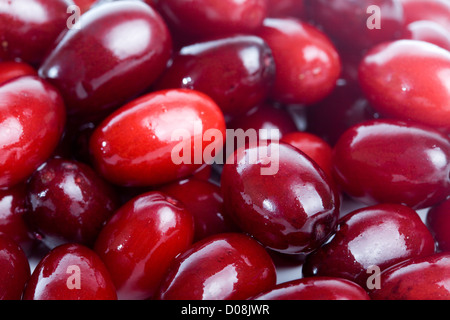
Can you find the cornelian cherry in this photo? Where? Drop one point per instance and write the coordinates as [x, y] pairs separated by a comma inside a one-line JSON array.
[[229, 266], [136, 145], [307, 62], [140, 241], [100, 66], [70, 272], [393, 161], [396, 90], [281, 197], [32, 119], [236, 72], [68, 202], [380, 235]]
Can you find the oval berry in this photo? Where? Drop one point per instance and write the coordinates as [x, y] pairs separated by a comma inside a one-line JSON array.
[[70, 272], [30, 27], [68, 202], [203, 18], [236, 72], [390, 161], [15, 269], [307, 63], [438, 221], [316, 288], [32, 119], [230, 266], [415, 279], [118, 51], [408, 80], [380, 235], [157, 138], [140, 241], [280, 196]]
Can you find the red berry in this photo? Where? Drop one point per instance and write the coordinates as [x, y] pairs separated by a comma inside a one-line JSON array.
[[316, 288], [117, 53], [408, 80], [68, 202], [70, 272], [236, 72], [416, 279], [135, 145], [29, 28], [282, 198], [230, 266], [380, 235], [32, 118], [15, 269], [307, 63], [389, 161], [140, 241]]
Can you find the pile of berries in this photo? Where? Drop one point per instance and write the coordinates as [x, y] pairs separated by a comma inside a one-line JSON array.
[[191, 150]]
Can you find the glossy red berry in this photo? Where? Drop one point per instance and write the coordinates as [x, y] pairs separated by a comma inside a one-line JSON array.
[[438, 221], [316, 288], [380, 235], [70, 272], [282, 198], [29, 28], [408, 80], [415, 279], [13, 69], [391, 161], [68, 202], [237, 72], [32, 119], [230, 266], [157, 138], [203, 199], [13, 207], [307, 63], [118, 51], [15, 269], [203, 18], [140, 241], [358, 24]]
